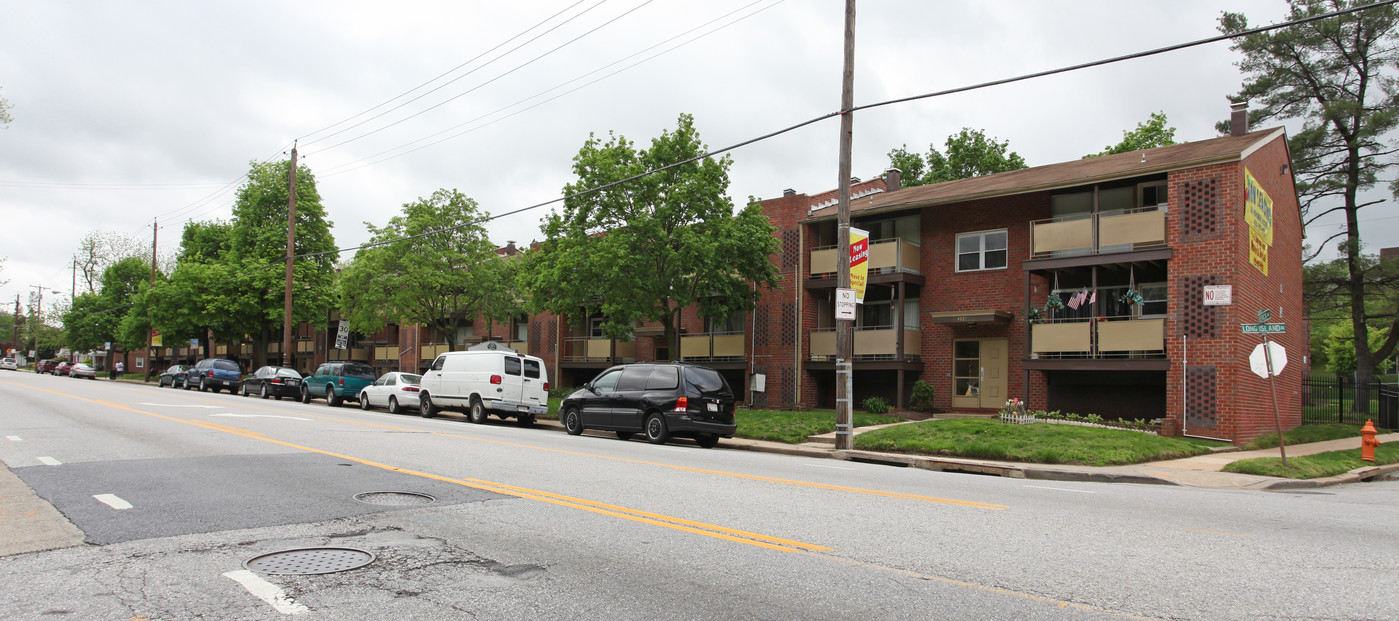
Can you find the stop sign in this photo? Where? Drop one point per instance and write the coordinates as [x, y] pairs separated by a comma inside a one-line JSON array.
[[1259, 363]]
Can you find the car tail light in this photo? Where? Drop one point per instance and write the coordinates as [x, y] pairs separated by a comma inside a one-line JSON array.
[[211, 372], [495, 379], [410, 389], [546, 386], [276, 380], [682, 404], [342, 381]]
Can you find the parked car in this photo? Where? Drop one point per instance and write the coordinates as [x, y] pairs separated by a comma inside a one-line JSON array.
[[486, 382], [659, 399], [82, 369], [173, 377], [336, 382], [63, 368], [47, 366], [273, 381], [213, 374], [396, 391], [9, 364]]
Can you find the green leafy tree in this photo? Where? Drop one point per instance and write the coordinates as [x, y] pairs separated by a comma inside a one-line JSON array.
[[199, 296], [1149, 134], [435, 267], [258, 248], [646, 248], [1336, 77], [1340, 348], [88, 323], [94, 319], [968, 153]]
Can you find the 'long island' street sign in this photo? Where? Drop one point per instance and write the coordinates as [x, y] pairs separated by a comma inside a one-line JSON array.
[[1260, 328]]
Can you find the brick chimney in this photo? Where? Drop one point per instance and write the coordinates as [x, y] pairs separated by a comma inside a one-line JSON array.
[[510, 249], [1238, 118], [892, 179]]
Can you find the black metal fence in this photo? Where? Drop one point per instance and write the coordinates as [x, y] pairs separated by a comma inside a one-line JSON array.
[[1342, 400]]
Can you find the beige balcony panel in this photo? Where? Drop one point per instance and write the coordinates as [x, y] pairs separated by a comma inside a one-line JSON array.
[[430, 352], [305, 346], [1067, 235], [220, 350], [909, 254], [1060, 337], [385, 353], [728, 345], [599, 348], [1133, 335], [694, 346], [247, 348], [626, 349], [273, 348], [359, 353], [823, 344], [875, 342], [823, 261], [913, 343], [884, 253], [1145, 227], [519, 346]]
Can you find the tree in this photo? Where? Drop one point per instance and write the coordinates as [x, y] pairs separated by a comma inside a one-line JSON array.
[[1335, 75], [646, 248], [95, 319], [1149, 134], [257, 249], [436, 267], [969, 153], [99, 250]]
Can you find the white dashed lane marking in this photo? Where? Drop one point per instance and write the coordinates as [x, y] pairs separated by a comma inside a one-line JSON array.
[[111, 500], [48, 461], [267, 592], [14, 438]]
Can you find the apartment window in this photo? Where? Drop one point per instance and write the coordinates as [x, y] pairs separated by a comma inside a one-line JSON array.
[[983, 250], [595, 327], [519, 328], [732, 325]]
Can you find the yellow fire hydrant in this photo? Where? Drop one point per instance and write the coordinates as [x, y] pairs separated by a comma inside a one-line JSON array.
[[1368, 442]]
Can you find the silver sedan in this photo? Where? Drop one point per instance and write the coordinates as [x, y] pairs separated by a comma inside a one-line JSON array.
[[397, 391], [83, 369]]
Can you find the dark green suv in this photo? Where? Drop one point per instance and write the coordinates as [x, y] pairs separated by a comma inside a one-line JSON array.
[[337, 382]]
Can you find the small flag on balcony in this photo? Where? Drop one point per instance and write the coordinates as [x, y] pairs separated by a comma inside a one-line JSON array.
[[1075, 301], [1093, 299]]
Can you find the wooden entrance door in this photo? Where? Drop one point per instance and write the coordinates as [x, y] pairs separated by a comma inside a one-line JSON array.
[[979, 370]]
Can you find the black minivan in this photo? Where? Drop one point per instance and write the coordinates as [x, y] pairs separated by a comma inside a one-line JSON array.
[[660, 399]]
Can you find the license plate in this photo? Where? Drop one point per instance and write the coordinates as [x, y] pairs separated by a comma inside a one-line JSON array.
[[712, 407], [522, 408]]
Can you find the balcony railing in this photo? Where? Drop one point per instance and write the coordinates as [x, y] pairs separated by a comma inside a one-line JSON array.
[[584, 349], [386, 353], [874, 343], [712, 347], [1103, 337], [887, 256], [1138, 229], [360, 354]]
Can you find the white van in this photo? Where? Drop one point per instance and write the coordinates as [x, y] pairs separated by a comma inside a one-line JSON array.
[[481, 383]]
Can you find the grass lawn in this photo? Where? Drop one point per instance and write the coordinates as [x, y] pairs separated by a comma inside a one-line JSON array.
[[794, 427], [1305, 434], [1314, 466], [1038, 443]]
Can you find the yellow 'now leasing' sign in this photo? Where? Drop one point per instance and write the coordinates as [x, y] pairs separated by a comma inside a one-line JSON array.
[[1258, 213]]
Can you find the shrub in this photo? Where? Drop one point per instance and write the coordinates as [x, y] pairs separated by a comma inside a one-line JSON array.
[[559, 392], [923, 394], [1094, 418], [876, 405]]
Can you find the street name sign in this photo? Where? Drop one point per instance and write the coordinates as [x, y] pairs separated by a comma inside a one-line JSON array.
[[1263, 328]]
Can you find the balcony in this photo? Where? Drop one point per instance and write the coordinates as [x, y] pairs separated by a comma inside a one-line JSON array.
[[874, 343], [360, 354], [1139, 229], [586, 349], [887, 256], [430, 352], [386, 353], [712, 347], [1101, 338]]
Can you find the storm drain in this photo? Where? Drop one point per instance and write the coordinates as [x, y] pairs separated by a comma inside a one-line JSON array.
[[309, 561], [398, 499]]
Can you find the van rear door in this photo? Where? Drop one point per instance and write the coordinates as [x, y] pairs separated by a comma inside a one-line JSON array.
[[533, 385], [512, 386]]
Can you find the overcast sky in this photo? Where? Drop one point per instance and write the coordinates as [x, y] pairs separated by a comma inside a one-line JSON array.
[[129, 112]]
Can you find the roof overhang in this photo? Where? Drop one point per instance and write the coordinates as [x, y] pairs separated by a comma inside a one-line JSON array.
[[971, 317]]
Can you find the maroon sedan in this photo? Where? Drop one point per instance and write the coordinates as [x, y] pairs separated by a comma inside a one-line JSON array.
[[63, 368]]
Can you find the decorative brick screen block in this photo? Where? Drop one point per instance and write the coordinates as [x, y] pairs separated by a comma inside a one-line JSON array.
[[760, 326], [1200, 402], [534, 336], [789, 324], [553, 335], [1200, 209], [789, 249], [788, 390], [1197, 320]]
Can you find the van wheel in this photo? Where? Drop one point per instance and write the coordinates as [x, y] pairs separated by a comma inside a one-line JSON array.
[[707, 441], [393, 405], [526, 420], [330, 398], [572, 422], [478, 412], [656, 432], [624, 435], [425, 407]]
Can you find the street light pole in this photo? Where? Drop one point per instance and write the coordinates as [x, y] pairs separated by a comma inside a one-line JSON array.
[[38, 315]]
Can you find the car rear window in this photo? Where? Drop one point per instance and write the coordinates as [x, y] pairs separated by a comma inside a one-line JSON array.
[[411, 380], [664, 378], [287, 373], [359, 371], [706, 379], [512, 366], [226, 365]]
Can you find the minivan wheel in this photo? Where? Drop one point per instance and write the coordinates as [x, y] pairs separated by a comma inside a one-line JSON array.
[[330, 398], [656, 432], [478, 412], [572, 422], [707, 441], [425, 407]]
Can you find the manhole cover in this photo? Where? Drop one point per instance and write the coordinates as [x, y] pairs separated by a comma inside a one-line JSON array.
[[395, 498], [309, 561]]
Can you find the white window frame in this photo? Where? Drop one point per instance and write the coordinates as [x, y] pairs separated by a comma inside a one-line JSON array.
[[981, 252]]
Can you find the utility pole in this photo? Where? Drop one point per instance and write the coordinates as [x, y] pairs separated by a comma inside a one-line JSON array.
[[291, 251], [150, 334], [845, 329], [14, 338]]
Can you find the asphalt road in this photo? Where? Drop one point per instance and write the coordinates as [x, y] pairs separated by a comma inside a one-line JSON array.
[[164, 495]]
